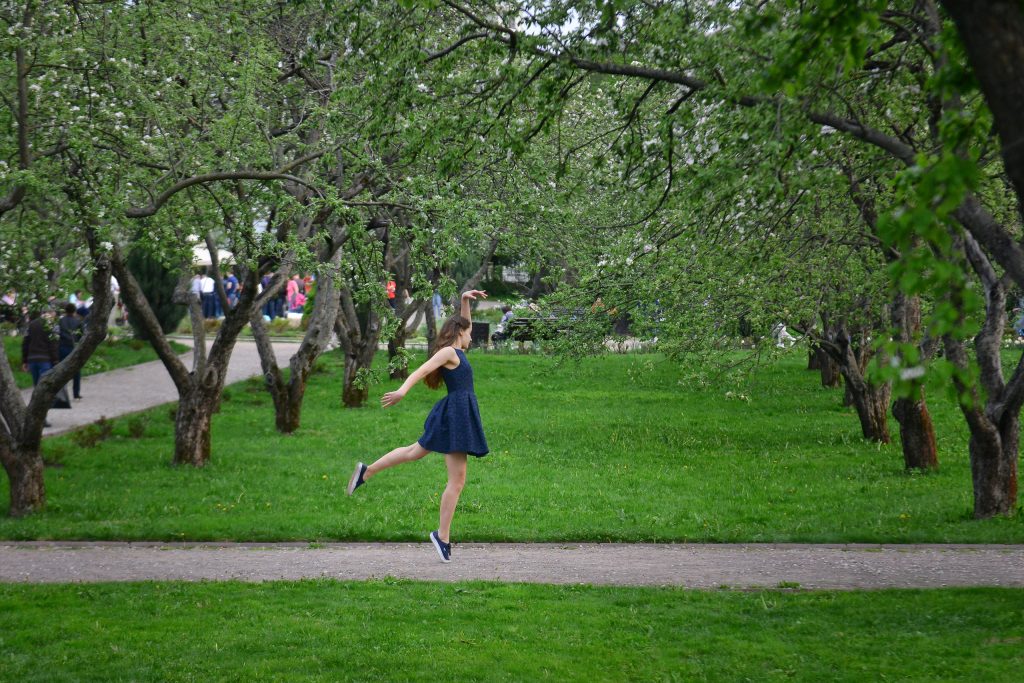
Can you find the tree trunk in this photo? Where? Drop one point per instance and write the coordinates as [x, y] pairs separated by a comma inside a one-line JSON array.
[[993, 34], [993, 450], [861, 358], [21, 424], [813, 362], [405, 314], [288, 406], [396, 371], [917, 434], [273, 378], [287, 412], [994, 421], [830, 375], [199, 391], [288, 396], [870, 400], [358, 361], [538, 287], [192, 428], [431, 329], [872, 404], [354, 390], [24, 469], [418, 318], [474, 280], [848, 399], [358, 332]]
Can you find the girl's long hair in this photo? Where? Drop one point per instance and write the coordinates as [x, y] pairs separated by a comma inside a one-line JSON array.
[[449, 333]]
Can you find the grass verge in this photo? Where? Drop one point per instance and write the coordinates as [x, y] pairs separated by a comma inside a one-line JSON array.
[[619, 448], [398, 630]]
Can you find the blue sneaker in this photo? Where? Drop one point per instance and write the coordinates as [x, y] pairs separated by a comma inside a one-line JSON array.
[[443, 549], [357, 478]]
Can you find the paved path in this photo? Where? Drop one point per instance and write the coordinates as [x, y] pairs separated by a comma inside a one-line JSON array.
[[689, 565], [138, 387]]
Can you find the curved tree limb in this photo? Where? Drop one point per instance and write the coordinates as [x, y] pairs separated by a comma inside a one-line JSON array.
[[160, 200], [455, 46]]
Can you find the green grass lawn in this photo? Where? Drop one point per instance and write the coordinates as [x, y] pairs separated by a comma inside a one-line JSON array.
[[110, 355], [617, 448], [404, 631]]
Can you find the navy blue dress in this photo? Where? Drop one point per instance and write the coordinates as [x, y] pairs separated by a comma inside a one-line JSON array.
[[453, 425]]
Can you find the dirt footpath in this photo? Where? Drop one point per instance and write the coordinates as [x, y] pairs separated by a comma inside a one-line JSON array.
[[146, 385], [688, 565]]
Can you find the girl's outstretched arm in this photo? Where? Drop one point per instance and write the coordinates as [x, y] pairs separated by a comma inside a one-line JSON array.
[[467, 297], [442, 357]]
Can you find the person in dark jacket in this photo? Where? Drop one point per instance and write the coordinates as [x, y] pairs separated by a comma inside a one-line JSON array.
[[69, 330], [38, 348], [39, 352]]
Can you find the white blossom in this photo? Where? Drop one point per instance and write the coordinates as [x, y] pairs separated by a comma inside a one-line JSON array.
[[915, 372]]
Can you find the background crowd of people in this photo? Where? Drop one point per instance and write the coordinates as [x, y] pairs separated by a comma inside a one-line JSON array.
[[290, 299]]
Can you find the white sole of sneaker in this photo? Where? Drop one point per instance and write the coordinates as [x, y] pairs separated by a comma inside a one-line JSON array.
[[354, 478], [437, 546]]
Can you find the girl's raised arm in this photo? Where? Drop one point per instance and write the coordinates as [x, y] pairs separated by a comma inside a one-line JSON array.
[[467, 297], [445, 355]]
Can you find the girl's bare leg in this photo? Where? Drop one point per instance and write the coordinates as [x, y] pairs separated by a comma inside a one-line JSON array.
[[401, 454], [456, 463]]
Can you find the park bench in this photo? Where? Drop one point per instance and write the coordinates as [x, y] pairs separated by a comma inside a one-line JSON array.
[[538, 328], [479, 334], [521, 329]]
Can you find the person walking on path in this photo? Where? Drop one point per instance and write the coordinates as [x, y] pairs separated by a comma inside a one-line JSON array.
[[38, 348], [453, 426], [69, 329]]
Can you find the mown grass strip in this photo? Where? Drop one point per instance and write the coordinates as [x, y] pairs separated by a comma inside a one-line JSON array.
[[398, 630], [619, 448]]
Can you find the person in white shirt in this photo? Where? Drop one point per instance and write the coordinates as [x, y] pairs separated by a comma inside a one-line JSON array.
[[783, 339], [115, 290], [209, 303]]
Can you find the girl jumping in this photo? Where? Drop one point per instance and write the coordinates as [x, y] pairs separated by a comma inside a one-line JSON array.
[[453, 426]]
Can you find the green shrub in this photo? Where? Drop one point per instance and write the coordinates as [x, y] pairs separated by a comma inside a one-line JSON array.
[[157, 282], [278, 325], [137, 426], [90, 435]]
